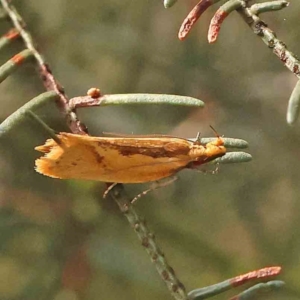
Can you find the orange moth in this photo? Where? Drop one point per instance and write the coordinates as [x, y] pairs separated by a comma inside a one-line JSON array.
[[123, 159]]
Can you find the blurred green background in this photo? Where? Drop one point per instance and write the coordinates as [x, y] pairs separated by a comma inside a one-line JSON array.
[[60, 240]]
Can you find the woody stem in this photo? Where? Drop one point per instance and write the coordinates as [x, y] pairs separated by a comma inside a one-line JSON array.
[[166, 272], [49, 81], [76, 126], [269, 38]]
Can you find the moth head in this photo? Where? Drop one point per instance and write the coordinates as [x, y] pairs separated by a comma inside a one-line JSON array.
[[215, 149], [201, 154]]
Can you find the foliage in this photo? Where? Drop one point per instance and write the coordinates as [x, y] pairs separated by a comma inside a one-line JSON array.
[[60, 240]]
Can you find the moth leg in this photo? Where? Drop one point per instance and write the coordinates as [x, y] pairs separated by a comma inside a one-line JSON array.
[[213, 172], [109, 189], [154, 186]]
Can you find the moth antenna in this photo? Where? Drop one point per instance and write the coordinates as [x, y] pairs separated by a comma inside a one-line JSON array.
[[215, 131], [156, 185], [49, 130]]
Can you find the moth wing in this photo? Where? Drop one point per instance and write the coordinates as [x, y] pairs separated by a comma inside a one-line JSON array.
[[70, 159], [110, 160], [144, 170], [122, 135]]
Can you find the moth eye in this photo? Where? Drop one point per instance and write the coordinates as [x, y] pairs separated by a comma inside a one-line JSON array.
[[220, 142]]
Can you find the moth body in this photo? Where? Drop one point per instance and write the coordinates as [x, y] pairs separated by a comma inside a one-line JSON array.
[[123, 159]]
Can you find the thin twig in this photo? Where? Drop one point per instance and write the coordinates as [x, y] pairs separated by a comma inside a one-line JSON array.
[[167, 274], [262, 30], [216, 289]]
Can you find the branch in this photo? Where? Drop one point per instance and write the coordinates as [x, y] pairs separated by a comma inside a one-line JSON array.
[[56, 93], [165, 271], [259, 27], [216, 289], [50, 83]]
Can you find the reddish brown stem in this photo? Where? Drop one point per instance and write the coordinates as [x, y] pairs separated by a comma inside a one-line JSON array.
[[261, 273], [215, 25], [48, 79], [192, 17]]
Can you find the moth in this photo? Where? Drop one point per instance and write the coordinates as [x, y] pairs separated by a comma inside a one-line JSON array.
[[123, 159]]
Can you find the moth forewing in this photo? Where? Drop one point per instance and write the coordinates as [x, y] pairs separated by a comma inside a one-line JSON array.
[[119, 159]]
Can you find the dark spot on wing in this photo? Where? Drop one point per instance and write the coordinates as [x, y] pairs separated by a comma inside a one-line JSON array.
[[165, 149], [152, 152], [155, 152], [98, 157]]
